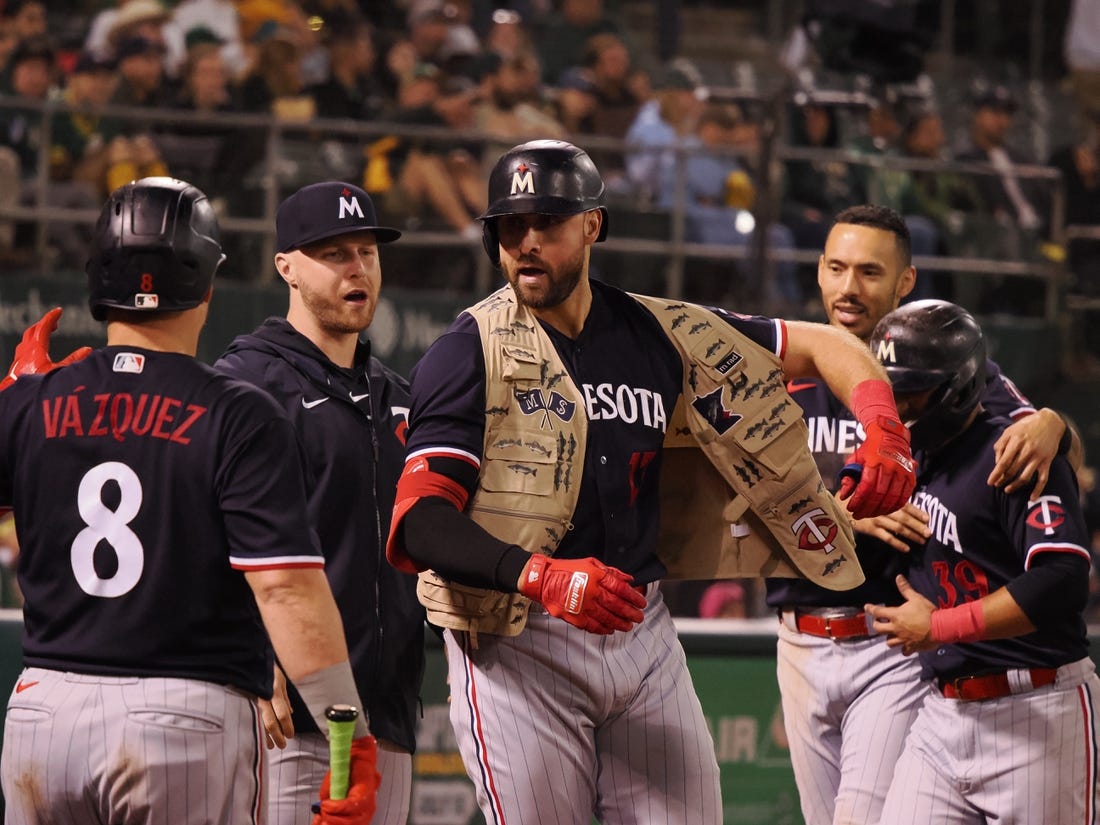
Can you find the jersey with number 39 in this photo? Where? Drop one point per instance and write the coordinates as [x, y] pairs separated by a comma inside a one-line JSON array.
[[983, 538], [143, 484]]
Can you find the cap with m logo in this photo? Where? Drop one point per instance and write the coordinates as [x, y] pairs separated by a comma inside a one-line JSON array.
[[324, 210]]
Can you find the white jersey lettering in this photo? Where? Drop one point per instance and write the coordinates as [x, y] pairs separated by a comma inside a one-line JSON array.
[[941, 521], [607, 401]]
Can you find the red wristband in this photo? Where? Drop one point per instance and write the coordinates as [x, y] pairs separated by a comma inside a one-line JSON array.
[[872, 398], [965, 623]]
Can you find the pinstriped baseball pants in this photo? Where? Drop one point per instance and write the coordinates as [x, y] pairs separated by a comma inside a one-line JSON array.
[[556, 725], [85, 749]]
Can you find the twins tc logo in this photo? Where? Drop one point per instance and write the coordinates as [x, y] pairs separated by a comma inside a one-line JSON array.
[[523, 180], [532, 402], [1047, 514], [816, 531]]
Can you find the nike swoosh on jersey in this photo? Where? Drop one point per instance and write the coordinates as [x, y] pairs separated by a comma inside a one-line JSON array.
[[309, 405], [358, 398], [795, 386], [21, 685]]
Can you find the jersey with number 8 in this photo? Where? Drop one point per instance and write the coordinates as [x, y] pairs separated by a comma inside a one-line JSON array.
[[127, 572]]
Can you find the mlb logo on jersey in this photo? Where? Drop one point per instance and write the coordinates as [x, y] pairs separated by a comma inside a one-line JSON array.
[[146, 301], [129, 362]]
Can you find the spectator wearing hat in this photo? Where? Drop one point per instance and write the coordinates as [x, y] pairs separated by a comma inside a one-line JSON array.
[[274, 82], [80, 139], [352, 89], [20, 20], [513, 109], [349, 414], [221, 19], [427, 29], [33, 73], [128, 18], [433, 183], [140, 61], [1015, 201], [507, 35], [661, 125], [815, 190]]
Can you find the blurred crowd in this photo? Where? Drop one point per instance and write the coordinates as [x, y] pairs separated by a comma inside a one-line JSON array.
[[420, 72], [445, 85]]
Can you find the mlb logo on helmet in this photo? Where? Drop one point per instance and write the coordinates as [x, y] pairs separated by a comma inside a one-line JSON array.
[[146, 301]]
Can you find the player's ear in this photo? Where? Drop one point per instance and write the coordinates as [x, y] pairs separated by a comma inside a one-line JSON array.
[[907, 281], [285, 270], [593, 220]]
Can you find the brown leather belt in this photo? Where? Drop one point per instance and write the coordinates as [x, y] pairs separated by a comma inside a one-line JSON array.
[[833, 627], [995, 685]]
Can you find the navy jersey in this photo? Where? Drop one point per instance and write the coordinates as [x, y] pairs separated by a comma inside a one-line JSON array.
[[982, 538], [629, 375], [834, 435], [143, 484], [351, 426]]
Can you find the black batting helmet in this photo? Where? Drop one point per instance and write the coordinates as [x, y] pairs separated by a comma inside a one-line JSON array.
[[156, 248], [934, 345], [545, 177]]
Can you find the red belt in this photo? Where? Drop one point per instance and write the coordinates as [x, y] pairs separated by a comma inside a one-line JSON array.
[[833, 627], [994, 685]]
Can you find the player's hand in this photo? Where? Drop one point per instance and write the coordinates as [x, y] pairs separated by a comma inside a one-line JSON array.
[[909, 625], [881, 474], [276, 713], [1025, 450], [899, 529], [363, 780], [584, 592], [32, 354]]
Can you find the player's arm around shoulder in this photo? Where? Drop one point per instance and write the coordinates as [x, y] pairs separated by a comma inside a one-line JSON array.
[[1027, 447]]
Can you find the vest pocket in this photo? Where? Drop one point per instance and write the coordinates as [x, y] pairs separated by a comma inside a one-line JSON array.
[[521, 461]]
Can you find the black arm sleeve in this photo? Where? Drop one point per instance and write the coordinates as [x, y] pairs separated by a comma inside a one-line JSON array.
[[1057, 585], [469, 556]]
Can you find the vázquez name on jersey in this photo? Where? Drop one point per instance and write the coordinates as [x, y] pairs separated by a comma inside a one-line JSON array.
[[119, 415]]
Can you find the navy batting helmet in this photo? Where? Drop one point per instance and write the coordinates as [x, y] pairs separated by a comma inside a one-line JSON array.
[[934, 345], [545, 177], [156, 248]]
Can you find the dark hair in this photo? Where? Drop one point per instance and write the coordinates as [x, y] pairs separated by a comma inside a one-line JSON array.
[[879, 217]]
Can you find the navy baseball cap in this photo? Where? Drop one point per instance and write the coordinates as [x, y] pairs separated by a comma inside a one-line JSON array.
[[324, 210]]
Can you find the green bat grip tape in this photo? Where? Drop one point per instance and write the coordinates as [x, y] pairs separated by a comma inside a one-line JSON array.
[[341, 730]]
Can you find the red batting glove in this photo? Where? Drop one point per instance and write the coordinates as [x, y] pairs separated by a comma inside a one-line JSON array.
[[584, 592], [887, 473], [363, 781], [32, 354]]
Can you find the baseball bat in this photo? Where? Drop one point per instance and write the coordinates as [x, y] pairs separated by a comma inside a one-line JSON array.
[[341, 730]]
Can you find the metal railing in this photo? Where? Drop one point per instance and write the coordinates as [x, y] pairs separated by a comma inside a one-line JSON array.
[[269, 177]]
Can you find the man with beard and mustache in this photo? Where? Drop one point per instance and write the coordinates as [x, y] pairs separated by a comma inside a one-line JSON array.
[[849, 700], [349, 412], [530, 498]]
